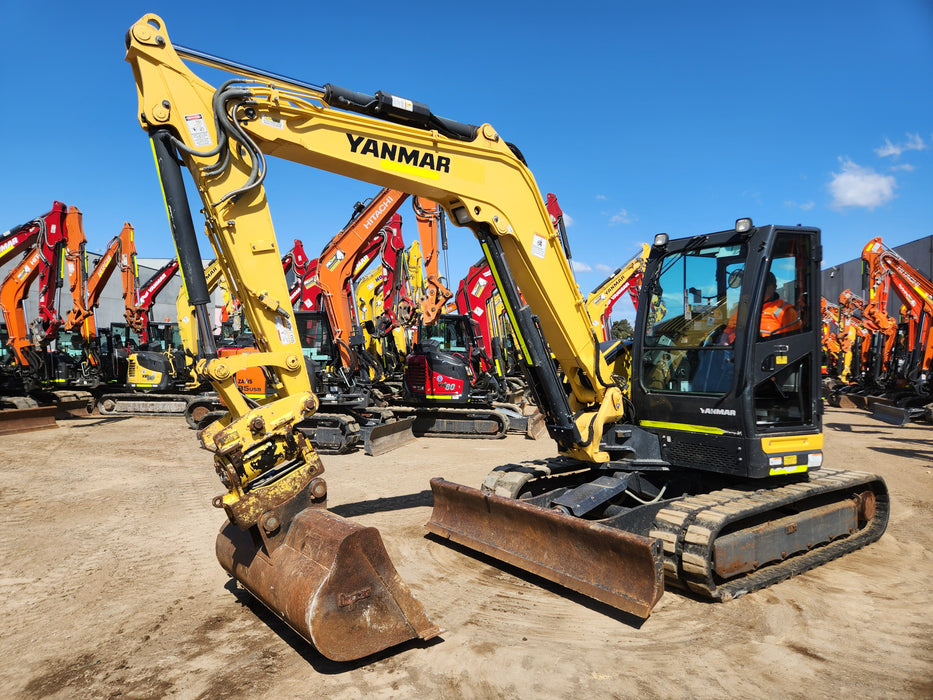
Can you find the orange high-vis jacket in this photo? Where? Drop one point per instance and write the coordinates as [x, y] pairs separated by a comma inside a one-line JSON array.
[[778, 316]]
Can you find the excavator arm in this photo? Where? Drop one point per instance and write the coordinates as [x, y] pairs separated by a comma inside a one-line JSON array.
[[76, 263], [120, 252], [42, 262], [19, 239], [148, 293], [430, 218]]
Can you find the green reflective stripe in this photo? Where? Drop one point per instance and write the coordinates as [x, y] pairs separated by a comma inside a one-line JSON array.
[[682, 426], [793, 469], [508, 307]]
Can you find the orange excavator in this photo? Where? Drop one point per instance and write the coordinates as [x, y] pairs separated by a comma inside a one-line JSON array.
[[829, 312], [25, 371], [907, 370], [665, 473], [29, 340]]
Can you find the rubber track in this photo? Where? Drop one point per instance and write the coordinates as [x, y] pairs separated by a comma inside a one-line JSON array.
[[461, 416], [688, 529], [136, 404], [349, 429]]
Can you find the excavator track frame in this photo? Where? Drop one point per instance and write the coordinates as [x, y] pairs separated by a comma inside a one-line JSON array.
[[691, 528], [140, 404]]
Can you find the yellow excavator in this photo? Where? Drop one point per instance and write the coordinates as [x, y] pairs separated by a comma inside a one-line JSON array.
[[700, 466]]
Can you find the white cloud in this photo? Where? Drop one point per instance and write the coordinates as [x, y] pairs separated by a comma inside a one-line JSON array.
[[568, 220], [858, 186], [622, 217], [807, 206], [578, 266], [603, 267], [905, 167], [913, 143], [804, 206], [601, 196]]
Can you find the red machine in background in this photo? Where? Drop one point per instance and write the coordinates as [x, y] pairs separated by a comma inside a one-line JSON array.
[[28, 340]]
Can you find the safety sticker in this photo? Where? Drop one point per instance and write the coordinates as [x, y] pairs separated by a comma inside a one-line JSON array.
[[402, 103], [197, 127], [273, 122], [285, 330], [538, 246], [334, 259]]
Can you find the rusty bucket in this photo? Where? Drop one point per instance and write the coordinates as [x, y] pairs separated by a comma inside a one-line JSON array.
[[330, 579], [616, 567]]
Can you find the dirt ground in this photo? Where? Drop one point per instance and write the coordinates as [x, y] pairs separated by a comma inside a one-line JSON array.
[[109, 587]]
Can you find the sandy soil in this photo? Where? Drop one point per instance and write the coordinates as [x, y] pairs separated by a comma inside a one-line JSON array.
[[109, 587]]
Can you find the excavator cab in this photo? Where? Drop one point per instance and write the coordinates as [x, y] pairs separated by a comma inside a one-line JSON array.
[[443, 362], [727, 344]]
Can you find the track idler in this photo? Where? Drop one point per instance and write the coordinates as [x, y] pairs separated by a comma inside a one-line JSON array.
[[329, 579]]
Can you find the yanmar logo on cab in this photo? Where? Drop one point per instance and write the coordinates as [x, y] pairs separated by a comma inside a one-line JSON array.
[[717, 411], [399, 155]]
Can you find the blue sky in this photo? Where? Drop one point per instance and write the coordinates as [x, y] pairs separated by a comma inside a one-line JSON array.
[[641, 116]]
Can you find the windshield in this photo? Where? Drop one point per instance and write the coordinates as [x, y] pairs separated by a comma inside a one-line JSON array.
[[450, 333], [317, 343], [692, 319]]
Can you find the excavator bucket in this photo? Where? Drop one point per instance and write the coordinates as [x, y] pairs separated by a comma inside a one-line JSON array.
[[380, 438], [331, 580], [618, 568]]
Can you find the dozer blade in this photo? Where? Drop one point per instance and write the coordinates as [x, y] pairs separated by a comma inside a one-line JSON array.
[[618, 568], [896, 415], [332, 581], [24, 420], [537, 427], [385, 437]]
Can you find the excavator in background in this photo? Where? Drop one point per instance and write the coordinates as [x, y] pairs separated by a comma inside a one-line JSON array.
[[19, 239], [458, 390], [830, 343], [625, 280], [115, 344], [478, 297], [29, 340], [87, 361], [25, 373], [431, 226], [906, 370], [146, 298], [162, 381], [702, 467]]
